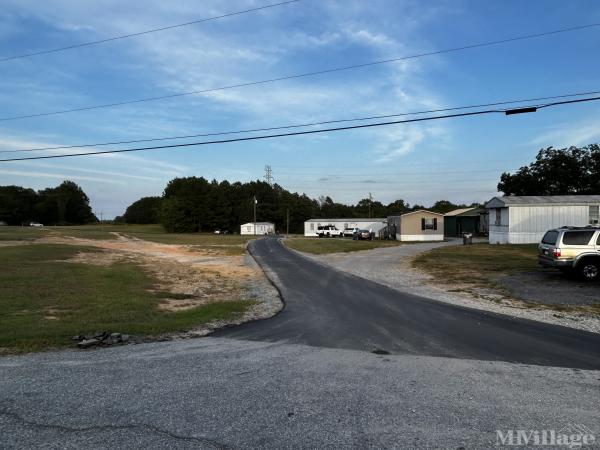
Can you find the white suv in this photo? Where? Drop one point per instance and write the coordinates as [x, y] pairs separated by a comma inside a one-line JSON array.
[[328, 231], [572, 249]]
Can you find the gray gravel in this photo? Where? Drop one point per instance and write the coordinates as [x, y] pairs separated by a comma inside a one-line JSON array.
[[551, 287], [223, 393], [391, 266]]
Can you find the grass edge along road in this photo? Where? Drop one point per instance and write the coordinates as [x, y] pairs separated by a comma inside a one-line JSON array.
[[46, 299], [322, 246]]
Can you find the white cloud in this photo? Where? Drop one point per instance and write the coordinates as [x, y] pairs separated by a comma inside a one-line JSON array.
[[567, 134], [60, 176]]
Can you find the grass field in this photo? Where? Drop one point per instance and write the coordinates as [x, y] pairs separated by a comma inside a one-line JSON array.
[[334, 245], [223, 244], [477, 264], [45, 300]]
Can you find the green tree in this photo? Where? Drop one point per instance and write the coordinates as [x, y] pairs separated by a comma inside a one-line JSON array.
[[444, 206], [563, 171], [17, 204], [144, 210], [65, 204]]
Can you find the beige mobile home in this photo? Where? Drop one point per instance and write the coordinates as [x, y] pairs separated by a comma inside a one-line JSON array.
[[419, 226]]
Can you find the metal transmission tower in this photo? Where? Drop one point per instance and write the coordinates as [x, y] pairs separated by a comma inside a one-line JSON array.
[[269, 175]]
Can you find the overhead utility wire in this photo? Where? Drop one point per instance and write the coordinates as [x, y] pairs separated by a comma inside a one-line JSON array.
[[300, 133], [140, 33], [284, 127], [306, 74]]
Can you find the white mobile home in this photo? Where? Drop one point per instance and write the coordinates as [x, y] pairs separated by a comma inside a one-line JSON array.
[[311, 226], [257, 228], [525, 219]]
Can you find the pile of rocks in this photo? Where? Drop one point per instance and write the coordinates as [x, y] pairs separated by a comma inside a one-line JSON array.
[[101, 339]]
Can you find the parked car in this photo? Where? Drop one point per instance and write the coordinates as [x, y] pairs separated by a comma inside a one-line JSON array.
[[572, 249], [328, 231], [350, 232], [35, 224], [363, 235], [222, 232]]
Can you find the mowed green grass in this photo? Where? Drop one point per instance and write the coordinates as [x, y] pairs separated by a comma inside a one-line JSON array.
[[21, 233], [222, 244], [334, 245], [476, 264], [44, 300]]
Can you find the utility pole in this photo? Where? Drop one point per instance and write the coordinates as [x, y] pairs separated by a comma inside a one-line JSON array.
[[269, 175], [370, 201], [255, 202], [287, 233], [101, 221]]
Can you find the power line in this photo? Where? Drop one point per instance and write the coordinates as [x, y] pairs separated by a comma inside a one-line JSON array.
[[302, 75], [140, 33], [298, 133], [325, 122]]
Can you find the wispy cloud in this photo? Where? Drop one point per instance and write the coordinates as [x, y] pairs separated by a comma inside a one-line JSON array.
[[61, 176], [567, 134]]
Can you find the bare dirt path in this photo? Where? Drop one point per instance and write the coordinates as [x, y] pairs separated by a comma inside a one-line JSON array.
[[189, 277]]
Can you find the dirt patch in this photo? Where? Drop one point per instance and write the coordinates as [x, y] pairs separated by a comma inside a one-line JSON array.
[[100, 258], [186, 276]]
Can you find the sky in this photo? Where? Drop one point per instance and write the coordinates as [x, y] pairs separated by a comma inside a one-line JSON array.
[[457, 159]]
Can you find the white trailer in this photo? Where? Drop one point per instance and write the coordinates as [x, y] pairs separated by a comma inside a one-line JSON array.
[[311, 226], [525, 219], [258, 228]]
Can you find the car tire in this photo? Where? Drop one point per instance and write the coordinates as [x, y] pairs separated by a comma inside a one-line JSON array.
[[589, 269]]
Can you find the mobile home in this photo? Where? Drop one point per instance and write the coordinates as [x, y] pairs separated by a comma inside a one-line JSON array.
[[525, 219]]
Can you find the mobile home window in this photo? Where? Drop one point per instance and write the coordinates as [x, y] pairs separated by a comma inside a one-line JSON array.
[[429, 224], [594, 215], [498, 216], [312, 226]]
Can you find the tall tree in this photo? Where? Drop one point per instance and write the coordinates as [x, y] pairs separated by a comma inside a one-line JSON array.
[[563, 171], [65, 204], [17, 205], [144, 210]]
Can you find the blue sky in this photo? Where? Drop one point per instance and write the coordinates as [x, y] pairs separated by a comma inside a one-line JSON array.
[[456, 159]]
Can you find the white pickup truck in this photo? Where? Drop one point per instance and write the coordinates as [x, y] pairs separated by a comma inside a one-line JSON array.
[[329, 231]]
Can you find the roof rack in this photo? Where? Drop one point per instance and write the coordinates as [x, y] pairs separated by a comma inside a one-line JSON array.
[[587, 227]]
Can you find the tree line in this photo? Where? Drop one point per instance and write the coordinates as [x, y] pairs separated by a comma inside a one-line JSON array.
[[195, 204], [65, 204]]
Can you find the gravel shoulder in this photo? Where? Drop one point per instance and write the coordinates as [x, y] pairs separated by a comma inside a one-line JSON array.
[[392, 267]]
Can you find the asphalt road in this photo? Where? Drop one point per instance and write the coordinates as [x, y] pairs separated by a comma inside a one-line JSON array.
[[328, 308], [225, 393]]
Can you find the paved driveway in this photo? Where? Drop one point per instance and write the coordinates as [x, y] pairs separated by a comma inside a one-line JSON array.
[[327, 308]]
